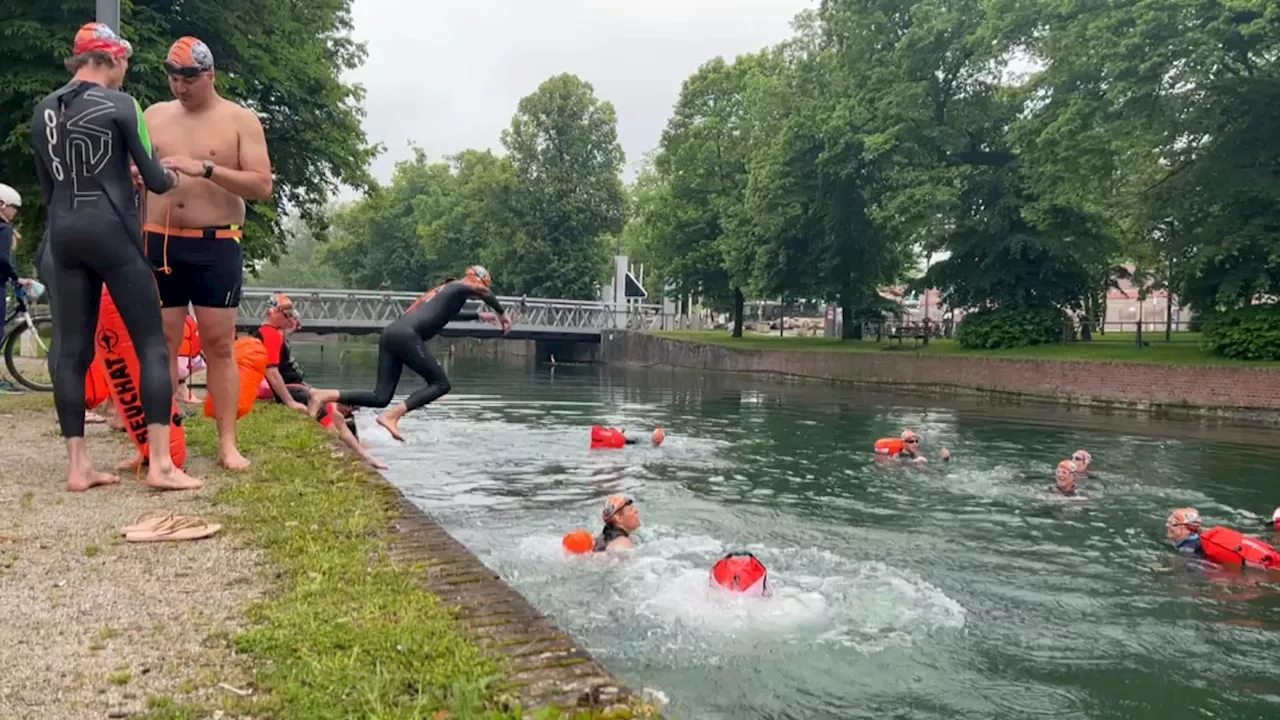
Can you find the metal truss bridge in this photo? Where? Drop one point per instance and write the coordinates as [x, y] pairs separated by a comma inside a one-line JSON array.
[[362, 312]]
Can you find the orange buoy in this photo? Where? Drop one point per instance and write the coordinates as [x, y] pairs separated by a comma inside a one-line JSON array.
[[190, 345], [606, 437], [1231, 547], [123, 373], [889, 446], [579, 541], [251, 357], [740, 572]]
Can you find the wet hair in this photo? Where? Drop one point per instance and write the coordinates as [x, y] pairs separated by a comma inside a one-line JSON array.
[[96, 58]]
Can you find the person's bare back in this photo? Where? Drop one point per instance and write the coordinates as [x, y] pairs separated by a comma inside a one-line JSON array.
[[216, 134]]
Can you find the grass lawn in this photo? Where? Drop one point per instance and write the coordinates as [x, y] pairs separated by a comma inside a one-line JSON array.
[[1183, 349]]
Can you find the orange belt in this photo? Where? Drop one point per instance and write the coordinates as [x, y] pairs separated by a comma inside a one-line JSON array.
[[231, 232]]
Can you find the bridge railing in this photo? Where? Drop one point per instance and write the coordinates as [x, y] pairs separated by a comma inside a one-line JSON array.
[[371, 309]]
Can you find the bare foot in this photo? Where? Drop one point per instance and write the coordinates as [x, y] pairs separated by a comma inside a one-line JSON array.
[[79, 481], [318, 400], [134, 463], [233, 460], [392, 425], [376, 464], [93, 418], [172, 479]]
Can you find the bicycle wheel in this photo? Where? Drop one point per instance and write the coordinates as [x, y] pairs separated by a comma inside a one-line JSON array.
[[30, 372]]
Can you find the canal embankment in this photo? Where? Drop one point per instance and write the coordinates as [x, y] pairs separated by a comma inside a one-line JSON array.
[[1251, 393], [326, 594]]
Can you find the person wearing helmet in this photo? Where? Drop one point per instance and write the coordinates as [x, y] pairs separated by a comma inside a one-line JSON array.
[[403, 344], [10, 202], [84, 136]]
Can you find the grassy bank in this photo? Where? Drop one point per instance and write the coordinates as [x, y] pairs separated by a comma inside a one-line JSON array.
[[349, 633], [1184, 348]]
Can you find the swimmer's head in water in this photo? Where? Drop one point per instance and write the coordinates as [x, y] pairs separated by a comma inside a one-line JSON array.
[[1182, 523], [621, 510], [189, 65], [1275, 518], [477, 274], [98, 44], [1066, 476], [1082, 458], [658, 437]]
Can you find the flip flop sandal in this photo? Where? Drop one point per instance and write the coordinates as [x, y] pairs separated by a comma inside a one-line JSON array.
[[180, 527], [148, 520]]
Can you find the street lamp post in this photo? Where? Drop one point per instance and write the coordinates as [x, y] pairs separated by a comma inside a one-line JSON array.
[[109, 13]]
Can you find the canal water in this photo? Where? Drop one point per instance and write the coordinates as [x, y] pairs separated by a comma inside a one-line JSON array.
[[966, 590]]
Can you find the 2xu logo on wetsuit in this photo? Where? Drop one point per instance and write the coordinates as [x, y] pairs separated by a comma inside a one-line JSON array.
[[118, 375]]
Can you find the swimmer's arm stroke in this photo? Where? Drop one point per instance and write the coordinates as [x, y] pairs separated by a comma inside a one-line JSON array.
[[155, 176]]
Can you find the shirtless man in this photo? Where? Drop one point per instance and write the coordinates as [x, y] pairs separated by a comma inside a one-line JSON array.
[[193, 232]]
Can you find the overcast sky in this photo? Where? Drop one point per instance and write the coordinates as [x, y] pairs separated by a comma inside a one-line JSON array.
[[447, 75]]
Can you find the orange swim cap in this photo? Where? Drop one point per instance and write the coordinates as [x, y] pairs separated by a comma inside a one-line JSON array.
[[658, 437], [189, 52], [477, 273], [1189, 517], [98, 37]]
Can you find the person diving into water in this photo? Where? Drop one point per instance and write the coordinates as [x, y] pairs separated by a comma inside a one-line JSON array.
[[403, 343], [84, 136]]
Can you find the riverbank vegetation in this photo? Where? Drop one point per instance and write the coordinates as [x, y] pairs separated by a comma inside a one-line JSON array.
[[1185, 348]]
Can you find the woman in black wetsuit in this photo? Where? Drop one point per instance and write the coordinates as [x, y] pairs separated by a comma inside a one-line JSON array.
[[403, 344]]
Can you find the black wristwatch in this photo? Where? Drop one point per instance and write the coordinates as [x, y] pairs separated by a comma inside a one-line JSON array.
[[208, 168]]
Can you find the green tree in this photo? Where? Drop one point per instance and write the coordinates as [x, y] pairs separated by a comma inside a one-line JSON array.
[[291, 76], [300, 265], [564, 150], [376, 243]]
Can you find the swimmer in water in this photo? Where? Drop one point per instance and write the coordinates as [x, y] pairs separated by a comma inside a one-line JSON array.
[[910, 450], [1082, 459], [1183, 528], [404, 344], [621, 518], [1065, 476]]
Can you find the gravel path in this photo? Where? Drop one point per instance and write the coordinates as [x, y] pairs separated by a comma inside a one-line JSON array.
[[91, 626]]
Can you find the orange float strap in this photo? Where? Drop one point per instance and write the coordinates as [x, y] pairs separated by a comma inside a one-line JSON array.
[[889, 446], [1230, 547], [603, 437], [251, 357], [123, 373]]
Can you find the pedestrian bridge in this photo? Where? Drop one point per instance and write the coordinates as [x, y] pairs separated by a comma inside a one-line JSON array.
[[364, 312]]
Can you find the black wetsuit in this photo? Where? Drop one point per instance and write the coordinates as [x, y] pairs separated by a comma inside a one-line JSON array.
[[404, 344], [607, 535], [84, 136]]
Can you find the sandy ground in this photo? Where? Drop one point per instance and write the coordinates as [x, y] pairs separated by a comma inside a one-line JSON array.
[[92, 626]]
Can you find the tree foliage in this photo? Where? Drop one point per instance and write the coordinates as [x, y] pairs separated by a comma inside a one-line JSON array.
[[290, 76]]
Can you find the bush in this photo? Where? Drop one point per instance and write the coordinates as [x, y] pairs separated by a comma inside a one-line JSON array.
[[1017, 327], [1248, 333]]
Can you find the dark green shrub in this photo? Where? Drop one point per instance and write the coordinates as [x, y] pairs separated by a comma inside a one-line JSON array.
[[1015, 327], [1248, 333]]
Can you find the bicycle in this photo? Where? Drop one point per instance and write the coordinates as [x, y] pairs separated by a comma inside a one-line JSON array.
[[20, 322]]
